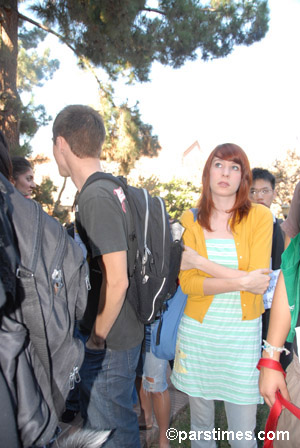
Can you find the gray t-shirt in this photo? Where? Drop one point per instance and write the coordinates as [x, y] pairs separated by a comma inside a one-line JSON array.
[[102, 213]]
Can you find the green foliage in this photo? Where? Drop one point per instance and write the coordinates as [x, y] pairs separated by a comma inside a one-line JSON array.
[[31, 38], [287, 174], [34, 70], [148, 144], [128, 35], [179, 195], [62, 214], [43, 193], [128, 138], [123, 37]]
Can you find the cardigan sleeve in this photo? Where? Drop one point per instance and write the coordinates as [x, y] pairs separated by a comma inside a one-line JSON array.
[[191, 281], [261, 238]]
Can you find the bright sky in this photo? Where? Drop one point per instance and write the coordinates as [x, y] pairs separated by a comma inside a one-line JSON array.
[[251, 98]]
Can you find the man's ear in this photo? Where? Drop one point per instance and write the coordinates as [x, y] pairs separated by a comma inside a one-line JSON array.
[[61, 143]]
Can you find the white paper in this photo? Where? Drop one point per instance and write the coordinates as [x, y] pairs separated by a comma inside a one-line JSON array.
[[268, 296]]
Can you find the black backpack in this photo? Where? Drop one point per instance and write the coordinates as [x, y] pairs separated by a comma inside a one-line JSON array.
[[39, 356], [153, 255]]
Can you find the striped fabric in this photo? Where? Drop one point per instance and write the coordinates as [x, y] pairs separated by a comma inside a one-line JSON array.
[[217, 359]]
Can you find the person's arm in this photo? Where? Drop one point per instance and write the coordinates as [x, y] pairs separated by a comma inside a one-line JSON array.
[[192, 260], [112, 296], [225, 279], [280, 322], [287, 241], [256, 282], [291, 226]]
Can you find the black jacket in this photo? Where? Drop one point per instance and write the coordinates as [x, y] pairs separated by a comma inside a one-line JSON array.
[[277, 244]]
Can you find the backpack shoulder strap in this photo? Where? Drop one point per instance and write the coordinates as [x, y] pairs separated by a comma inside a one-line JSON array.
[[132, 233], [100, 175], [195, 213]]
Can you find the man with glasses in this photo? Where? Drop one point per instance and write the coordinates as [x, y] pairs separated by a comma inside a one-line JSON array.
[[263, 192]]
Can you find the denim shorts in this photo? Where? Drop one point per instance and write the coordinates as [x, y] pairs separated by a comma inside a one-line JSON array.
[[150, 366]]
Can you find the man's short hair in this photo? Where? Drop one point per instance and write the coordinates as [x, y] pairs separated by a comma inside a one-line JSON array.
[[261, 173], [83, 128]]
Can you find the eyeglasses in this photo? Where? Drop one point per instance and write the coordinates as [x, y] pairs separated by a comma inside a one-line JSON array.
[[263, 192]]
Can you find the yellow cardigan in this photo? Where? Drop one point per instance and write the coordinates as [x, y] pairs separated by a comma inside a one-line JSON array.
[[253, 241]]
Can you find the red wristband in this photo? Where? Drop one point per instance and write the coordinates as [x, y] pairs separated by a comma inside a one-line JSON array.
[[271, 364]]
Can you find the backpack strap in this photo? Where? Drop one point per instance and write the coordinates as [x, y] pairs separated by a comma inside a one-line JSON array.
[[195, 213], [100, 175], [132, 234]]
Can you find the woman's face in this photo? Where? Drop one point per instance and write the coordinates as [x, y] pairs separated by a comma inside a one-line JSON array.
[[25, 183], [225, 177]]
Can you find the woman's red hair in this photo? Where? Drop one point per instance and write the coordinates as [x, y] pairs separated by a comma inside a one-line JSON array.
[[241, 208]]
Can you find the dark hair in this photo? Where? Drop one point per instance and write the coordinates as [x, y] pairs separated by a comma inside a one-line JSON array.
[[5, 160], [241, 208], [83, 128], [261, 173], [20, 166]]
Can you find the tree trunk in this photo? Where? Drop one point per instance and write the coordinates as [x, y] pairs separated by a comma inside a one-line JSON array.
[[57, 203], [10, 104]]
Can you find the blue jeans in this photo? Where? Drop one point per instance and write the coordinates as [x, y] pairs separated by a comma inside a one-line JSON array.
[[106, 387]]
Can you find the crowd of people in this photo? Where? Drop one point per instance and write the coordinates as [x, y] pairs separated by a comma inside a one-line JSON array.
[[230, 272]]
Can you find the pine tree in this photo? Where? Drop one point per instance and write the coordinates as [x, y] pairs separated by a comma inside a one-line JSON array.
[[126, 37]]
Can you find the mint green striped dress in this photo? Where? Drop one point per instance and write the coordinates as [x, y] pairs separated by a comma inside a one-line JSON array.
[[216, 359]]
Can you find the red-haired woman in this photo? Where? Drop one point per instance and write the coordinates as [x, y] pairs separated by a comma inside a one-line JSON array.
[[224, 272]]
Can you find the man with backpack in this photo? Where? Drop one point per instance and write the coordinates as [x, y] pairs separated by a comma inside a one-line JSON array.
[[103, 221]]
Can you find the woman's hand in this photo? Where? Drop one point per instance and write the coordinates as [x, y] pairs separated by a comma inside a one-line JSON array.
[[269, 382], [190, 259], [256, 281]]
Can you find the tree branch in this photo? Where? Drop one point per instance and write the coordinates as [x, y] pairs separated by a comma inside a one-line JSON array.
[[154, 10], [83, 61], [49, 30], [164, 14], [86, 64], [57, 202]]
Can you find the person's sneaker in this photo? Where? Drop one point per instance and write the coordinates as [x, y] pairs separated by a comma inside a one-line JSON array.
[[68, 416]]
